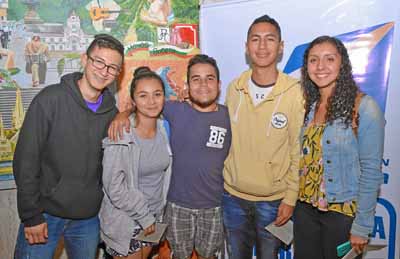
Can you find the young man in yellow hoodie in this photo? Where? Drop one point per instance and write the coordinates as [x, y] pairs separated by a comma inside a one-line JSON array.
[[261, 170]]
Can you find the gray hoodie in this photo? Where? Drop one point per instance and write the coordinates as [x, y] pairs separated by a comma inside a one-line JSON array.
[[124, 206]]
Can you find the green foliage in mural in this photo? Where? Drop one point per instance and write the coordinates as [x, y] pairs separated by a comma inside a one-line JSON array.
[[6, 81], [146, 32], [68, 57], [130, 14], [16, 10], [46, 11], [14, 71], [60, 66], [86, 22], [186, 11]]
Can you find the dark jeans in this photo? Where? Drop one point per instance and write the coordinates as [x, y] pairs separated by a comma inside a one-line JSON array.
[[318, 233], [245, 223], [81, 238]]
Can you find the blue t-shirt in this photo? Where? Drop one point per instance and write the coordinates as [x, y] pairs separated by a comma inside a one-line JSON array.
[[200, 142]]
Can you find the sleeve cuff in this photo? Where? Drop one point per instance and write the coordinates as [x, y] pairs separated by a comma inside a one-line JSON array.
[[290, 197], [146, 221], [34, 221], [359, 231]]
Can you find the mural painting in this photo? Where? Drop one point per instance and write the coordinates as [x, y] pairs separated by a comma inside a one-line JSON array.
[[41, 40]]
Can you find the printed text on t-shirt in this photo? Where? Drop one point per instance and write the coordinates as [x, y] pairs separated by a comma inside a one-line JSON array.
[[217, 137]]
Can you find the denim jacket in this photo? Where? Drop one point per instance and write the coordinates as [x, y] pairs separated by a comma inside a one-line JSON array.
[[352, 164]]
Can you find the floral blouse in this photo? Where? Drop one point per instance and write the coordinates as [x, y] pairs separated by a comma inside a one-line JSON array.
[[312, 185]]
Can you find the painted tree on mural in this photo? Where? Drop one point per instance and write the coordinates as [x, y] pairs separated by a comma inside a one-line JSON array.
[[129, 23], [128, 16], [186, 11]]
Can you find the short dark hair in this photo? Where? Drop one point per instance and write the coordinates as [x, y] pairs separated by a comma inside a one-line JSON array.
[[144, 72], [106, 41], [202, 59], [267, 19]]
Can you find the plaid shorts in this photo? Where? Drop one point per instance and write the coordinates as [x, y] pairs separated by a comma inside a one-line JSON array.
[[199, 229]]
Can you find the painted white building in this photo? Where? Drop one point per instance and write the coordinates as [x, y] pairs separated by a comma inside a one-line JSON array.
[[60, 37]]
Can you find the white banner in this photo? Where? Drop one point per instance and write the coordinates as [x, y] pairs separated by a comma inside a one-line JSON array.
[[370, 30]]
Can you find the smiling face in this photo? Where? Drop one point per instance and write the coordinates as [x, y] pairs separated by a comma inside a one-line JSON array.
[[148, 98], [97, 77], [323, 65], [263, 45], [203, 86]]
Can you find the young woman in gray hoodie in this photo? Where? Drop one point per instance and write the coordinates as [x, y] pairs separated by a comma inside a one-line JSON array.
[[136, 172]]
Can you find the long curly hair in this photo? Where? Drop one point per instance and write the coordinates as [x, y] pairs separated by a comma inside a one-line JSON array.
[[341, 102]]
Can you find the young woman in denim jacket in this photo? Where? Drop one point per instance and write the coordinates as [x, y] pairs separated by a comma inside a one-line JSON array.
[[340, 168], [136, 172]]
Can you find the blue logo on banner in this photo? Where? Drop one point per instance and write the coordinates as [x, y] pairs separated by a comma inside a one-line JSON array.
[[379, 228], [370, 51]]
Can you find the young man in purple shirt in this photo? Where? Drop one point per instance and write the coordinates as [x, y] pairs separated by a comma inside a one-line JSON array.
[[57, 162]]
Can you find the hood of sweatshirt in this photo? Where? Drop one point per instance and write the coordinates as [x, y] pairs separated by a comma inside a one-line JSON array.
[[283, 84], [70, 84]]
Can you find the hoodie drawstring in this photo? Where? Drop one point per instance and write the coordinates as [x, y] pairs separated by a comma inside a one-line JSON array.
[[236, 116]]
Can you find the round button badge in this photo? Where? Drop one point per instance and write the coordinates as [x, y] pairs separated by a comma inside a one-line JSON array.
[[279, 120]]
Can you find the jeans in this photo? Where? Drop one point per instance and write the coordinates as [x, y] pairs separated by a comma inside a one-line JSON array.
[[81, 238], [318, 233], [245, 223]]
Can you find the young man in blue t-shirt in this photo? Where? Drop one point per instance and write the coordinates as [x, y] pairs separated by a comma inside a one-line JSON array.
[[200, 140]]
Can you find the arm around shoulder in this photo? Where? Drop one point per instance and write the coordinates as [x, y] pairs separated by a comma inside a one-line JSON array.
[[120, 123]]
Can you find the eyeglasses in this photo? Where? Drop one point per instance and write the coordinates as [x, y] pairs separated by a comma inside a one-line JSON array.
[[111, 69]]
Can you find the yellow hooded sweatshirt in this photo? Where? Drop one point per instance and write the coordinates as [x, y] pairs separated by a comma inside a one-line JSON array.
[[263, 161]]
